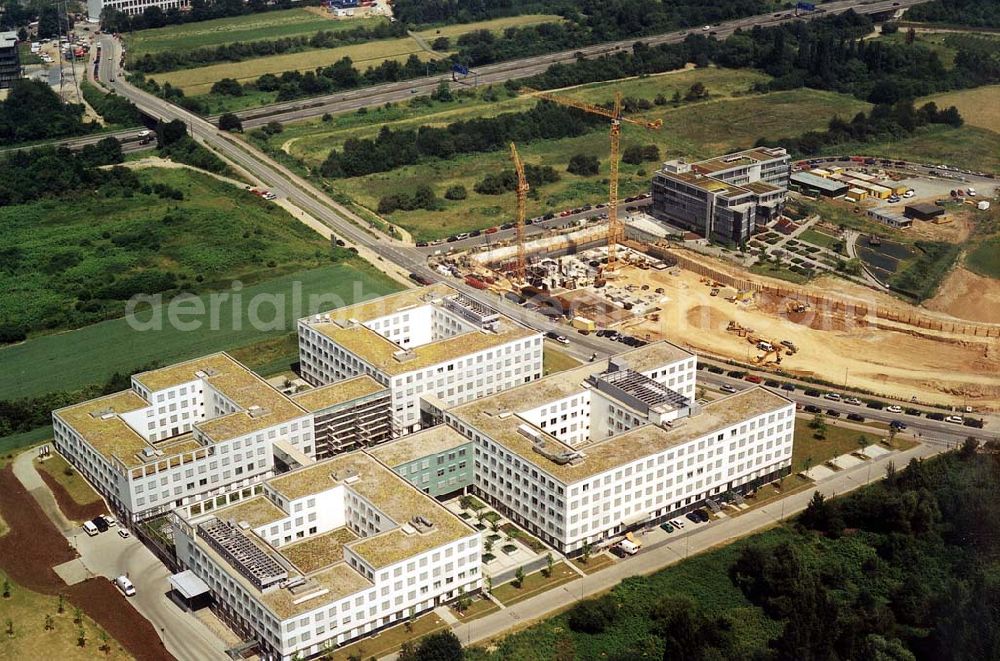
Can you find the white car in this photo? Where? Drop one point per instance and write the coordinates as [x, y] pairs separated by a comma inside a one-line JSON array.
[[110, 520], [707, 28], [125, 586], [832, 396], [725, 387], [955, 419], [908, 194], [853, 400], [123, 533], [894, 409]]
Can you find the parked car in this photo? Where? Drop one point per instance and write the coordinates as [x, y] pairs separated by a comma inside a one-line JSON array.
[[90, 528], [123, 533], [771, 383], [692, 517], [100, 523], [736, 374], [561, 339], [787, 386], [812, 408], [853, 401], [833, 413], [725, 387], [875, 405], [898, 425], [125, 585], [110, 520], [753, 378], [894, 409], [666, 527], [832, 396], [855, 417], [914, 412], [935, 416], [955, 419], [812, 393]]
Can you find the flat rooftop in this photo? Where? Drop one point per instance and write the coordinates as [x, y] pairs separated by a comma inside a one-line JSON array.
[[98, 421], [416, 446], [257, 511], [736, 159], [390, 494], [389, 357], [707, 183], [335, 394], [496, 417], [319, 551], [822, 183]]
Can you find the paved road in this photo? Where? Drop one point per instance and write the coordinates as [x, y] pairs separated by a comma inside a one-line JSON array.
[[109, 555], [522, 68]]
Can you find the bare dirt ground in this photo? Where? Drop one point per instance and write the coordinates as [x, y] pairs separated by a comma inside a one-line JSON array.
[[73, 510], [898, 364], [968, 296]]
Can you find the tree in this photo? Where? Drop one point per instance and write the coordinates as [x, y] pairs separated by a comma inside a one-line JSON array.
[[593, 615], [863, 442], [442, 92], [105, 642], [465, 501], [411, 618], [77, 615], [61, 608], [660, 100], [696, 92], [10, 628], [6, 588], [489, 583], [970, 446], [463, 601], [586, 550], [583, 165], [440, 646], [227, 87], [49, 20], [676, 98], [81, 637], [441, 44], [911, 36], [170, 132], [818, 425], [519, 577], [49, 623], [549, 564], [822, 516], [230, 122]]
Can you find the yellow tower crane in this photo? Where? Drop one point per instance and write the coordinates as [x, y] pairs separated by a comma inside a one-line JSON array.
[[615, 231], [522, 193]]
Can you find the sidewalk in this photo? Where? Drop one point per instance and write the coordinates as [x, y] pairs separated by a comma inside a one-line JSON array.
[[656, 557]]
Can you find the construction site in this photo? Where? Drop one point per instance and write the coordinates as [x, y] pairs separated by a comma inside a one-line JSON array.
[[613, 277]]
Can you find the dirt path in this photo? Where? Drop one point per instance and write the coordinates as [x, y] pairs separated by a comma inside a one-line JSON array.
[[897, 364]]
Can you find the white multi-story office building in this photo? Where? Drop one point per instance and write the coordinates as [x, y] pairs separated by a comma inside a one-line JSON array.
[[430, 343], [585, 455], [326, 554], [132, 7], [199, 430]]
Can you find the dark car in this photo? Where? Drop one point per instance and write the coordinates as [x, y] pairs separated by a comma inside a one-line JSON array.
[[833, 413], [452, 239], [856, 417], [100, 523], [715, 370], [875, 405], [914, 412], [771, 383], [812, 408], [693, 517], [898, 425], [703, 515], [421, 244], [812, 393], [736, 374], [507, 226], [935, 416], [666, 527], [787, 386]]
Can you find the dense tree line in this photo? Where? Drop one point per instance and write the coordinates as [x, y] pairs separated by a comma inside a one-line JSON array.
[[884, 123], [974, 13], [240, 50], [32, 111], [113, 108], [393, 149], [28, 175], [422, 198], [925, 540], [506, 180], [174, 143], [113, 20]]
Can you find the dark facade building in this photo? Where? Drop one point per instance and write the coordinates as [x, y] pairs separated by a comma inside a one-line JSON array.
[[723, 198], [10, 59]]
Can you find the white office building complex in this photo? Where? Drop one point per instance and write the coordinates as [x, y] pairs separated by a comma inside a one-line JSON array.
[[205, 429], [132, 7], [585, 455], [430, 343], [326, 554]]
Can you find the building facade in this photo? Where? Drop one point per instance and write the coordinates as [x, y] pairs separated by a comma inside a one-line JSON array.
[[327, 554], [606, 448], [431, 342], [10, 60], [199, 430], [132, 7], [723, 198]]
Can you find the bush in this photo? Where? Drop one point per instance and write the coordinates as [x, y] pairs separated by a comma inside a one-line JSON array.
[[592, 615], [583, 165], [456, 192], [227, 87], [230, 122]]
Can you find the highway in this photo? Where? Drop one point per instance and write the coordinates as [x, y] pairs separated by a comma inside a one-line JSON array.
[[501, 72], [314, 202]]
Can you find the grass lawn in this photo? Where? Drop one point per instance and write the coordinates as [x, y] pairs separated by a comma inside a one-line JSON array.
[[91, 354], [77, 261], [14, 442], [199, 81], [979, 106], [496, 25], [73, 482], [27, 611], [390, 640], [533, 584], [270, 356], [838, 441], [768, 492], [984, 259], [780, 272], [933, 41], [250, 27], [479, 607], [819, 239], [968, 147], [554, 360], [595, 563], [695, 130]]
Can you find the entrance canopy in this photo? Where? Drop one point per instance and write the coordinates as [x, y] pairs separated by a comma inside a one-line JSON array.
[[188, 585]]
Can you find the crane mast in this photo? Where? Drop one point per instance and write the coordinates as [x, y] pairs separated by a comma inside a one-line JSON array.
[[520, 266], [615, 230]]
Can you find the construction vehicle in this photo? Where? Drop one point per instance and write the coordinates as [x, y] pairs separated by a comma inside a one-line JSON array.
[[735, 327], [615, 230], [768, 347], [796, 307], [522, 194]]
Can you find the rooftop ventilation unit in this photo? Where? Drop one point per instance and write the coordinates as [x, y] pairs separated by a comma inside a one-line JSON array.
[[345, 475], [420, 524], [103, 414], [200, 374], [257, 411]]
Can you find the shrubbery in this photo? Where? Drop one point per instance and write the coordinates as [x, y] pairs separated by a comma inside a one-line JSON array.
[[593, 615], [32, 111], [422, 198], [506, 180], [113, 108], [583, 165]]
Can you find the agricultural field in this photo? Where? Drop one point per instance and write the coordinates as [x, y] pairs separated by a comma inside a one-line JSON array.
[[71, 360], [979, 106], [731, 118], [76, 261], [984, 259], [198, 81], [251, 27]]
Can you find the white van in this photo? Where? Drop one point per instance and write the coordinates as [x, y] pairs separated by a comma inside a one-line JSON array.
[[90, 529], [125, 586], [627, 547]]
